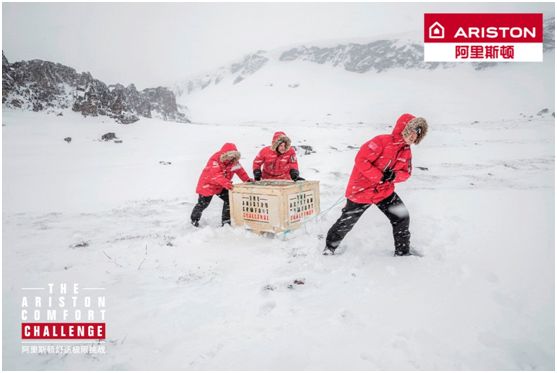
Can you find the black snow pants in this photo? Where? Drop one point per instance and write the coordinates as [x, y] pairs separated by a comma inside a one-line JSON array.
[[203, 203], [392, 207]]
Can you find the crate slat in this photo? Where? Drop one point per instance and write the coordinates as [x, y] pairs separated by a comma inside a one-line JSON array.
[[274, 205]]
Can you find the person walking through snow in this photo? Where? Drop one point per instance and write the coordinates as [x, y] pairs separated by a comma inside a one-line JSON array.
[[216, 180], [277, 161], [380, 163]]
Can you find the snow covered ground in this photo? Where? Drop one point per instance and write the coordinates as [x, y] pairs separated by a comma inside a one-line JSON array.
[[111, 215]]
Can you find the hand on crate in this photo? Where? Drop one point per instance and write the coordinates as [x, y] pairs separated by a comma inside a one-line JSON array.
[[295, 175]]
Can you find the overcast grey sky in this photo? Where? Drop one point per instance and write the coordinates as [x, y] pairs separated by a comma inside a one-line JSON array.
[[152, 44]]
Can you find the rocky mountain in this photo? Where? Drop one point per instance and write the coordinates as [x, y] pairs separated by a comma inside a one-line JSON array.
[[379, 55], [549, 34], [374, 56], [240, 70], [42, 85]]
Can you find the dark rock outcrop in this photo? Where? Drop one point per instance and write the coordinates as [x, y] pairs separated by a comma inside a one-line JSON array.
[[308, 149], [163, 102], [41, 85], [108, 136]]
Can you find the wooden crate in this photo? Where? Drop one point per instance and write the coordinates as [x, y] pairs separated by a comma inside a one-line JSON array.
[[273, 205]]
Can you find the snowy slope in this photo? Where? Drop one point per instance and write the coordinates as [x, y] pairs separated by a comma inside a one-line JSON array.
[[363, 80], [216, 298], [306, 92]]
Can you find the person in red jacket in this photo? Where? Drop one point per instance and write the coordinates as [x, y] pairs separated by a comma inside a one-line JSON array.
[[216, 180], [380, 163], [277, 161]]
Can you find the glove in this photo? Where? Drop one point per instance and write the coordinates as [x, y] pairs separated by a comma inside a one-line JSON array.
[[300, 179], [250, 180], [257, 175], [388, 175], [295, 174]]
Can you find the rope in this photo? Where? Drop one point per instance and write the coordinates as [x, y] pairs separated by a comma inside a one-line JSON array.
[[342, 198], [305, 221]]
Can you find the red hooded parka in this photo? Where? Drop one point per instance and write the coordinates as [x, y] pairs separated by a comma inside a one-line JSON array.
[[274, 165], [219, 171], [376, 155]]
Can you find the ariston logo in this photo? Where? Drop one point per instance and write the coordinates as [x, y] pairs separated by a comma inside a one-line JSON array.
[[495, 32], [475, 37], [436, 31]]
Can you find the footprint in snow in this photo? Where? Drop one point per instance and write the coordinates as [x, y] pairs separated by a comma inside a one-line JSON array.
[[267, 308]]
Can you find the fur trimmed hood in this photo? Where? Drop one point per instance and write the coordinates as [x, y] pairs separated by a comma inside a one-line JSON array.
[[417, 125], [229, 153], [407, 123], [278, 138]]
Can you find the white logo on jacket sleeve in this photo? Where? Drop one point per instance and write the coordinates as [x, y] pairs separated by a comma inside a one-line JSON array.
[[373, 146], [236, 167]]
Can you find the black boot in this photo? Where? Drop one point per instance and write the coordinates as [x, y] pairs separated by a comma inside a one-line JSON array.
[[225, 207], [202, 204], [411, 252]]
